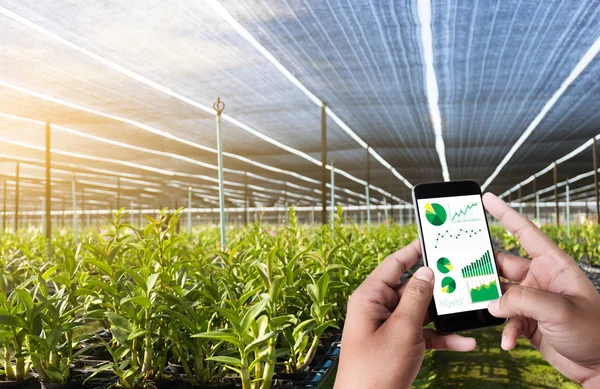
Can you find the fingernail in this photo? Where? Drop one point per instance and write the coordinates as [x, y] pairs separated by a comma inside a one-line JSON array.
[[494, 306], [504, 343], [424, 273]]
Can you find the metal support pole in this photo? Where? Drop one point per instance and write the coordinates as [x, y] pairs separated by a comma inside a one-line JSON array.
[[536, 202], [556, 194], [219, 106], [43, 212], [17, 197], [64, 215], [83, 224], [568, 210], [189, 212], [401, 216], [246, 213], [4, 209], [367, 187], [385, 209], [392, 209], [312, 216], [131, 213], [520, 202], [48, 225], [324, 162], [74, 195], [141, 215], [285, 202], [332, 195], [118, 193], [89, 216], [537, 208], [596, 182]]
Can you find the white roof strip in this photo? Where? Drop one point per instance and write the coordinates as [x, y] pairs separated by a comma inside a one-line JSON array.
[[180, 157], [220, 10], [431, 84], [545, 170], [139, 166], [143, 149], [589, 55], [154, 85]]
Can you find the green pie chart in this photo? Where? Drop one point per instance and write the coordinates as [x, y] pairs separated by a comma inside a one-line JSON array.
[[435, 213], [448, 285], [444, 265]]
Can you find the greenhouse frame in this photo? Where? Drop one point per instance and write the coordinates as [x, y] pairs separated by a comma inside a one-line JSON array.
[[307, 120]]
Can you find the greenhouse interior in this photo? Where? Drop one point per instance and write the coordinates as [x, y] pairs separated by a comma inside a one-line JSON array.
[[192, 190]]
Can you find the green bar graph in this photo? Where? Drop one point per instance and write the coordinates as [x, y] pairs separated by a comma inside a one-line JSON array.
[[480, 267]]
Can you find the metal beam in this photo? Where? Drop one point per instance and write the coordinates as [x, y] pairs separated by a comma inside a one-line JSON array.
[[332, 195], [17, 198], [4, 209], [246, 219], [48, 203], [519, 195], [367, 187], [118, 193], [82, 206], [324, 162], [556, 193], [537, 207], [595, 158], [219, 106]]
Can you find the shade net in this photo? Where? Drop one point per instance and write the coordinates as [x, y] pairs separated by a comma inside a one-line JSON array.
[[153, 70]]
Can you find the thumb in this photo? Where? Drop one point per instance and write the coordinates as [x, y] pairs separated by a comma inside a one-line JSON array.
[[533, 303], [416, 297]]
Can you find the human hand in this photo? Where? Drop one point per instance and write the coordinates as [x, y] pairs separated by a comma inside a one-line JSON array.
[[555, 306], [384, 341]]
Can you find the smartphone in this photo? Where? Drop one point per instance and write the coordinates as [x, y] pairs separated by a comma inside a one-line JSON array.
[[457, 245]]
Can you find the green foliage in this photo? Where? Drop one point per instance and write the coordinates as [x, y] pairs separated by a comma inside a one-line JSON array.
[[260, 306], [580, 243]]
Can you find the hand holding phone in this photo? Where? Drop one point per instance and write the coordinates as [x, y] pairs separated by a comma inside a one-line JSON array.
[[457, 246], [384, 342], [555, 307]]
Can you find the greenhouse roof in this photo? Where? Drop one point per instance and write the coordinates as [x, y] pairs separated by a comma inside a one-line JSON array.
[[491, 91]]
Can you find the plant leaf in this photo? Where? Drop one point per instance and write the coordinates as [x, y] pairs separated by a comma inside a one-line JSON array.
[[224, 359], [120, 321], [251, 315], [218, 335]]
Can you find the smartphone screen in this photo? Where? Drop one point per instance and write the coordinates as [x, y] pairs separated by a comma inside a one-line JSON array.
[[458, 248]]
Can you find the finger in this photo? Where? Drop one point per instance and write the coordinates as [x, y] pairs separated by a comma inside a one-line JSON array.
[[534, 241], [513, 329], [400, 290], [415, 299], [390, 270], [437, 341], [505, 286], [533, 303], [512, 267]]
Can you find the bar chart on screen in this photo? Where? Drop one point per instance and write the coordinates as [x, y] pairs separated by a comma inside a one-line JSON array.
[[480, 279]]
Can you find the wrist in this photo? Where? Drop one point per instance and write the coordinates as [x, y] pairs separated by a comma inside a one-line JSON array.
[[592, 382]]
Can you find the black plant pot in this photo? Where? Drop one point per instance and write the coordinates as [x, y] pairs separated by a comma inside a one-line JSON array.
[[17, 384], [230, 385], [298, 376], [68, 385], [189, 385]]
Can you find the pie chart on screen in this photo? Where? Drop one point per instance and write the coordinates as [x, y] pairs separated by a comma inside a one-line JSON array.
[[435, 214], [448, 285], [444, 265]]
